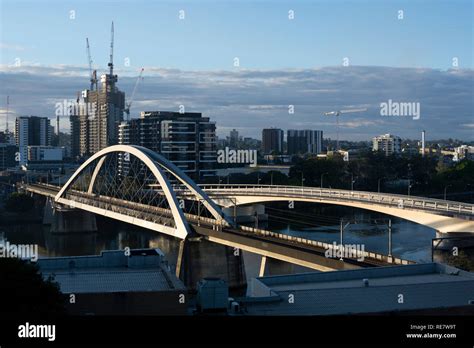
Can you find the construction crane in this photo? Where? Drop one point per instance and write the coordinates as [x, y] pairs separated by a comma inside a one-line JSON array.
[[111, 62], [340, 112], [92, 73], [129, 104]]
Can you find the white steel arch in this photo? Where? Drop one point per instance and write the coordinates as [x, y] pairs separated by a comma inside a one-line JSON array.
[[156, 164]]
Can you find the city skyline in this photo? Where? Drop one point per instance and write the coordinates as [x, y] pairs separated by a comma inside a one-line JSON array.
[[297, 69]]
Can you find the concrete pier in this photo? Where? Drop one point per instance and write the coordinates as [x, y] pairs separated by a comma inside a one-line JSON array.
[[248, 213], [198, 259], [65, 220]]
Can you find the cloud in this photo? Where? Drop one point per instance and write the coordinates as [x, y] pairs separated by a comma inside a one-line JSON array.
[[250, 100]]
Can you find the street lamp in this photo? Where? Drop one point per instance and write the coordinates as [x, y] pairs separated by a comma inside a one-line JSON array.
[[258, 178], [271, 178], [302, 179], [409, 186], [322, 176], [445, 188], [352, 182]]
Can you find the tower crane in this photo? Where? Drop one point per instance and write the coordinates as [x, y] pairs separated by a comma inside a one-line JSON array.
[[92, 73], [111, 62], [340, 112], [129, 104]]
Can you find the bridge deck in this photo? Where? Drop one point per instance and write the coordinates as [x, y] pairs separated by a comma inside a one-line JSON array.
[[305, 252]]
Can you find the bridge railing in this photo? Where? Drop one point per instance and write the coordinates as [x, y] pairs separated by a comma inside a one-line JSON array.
[[395, 200], [326, 246], [165, 217]]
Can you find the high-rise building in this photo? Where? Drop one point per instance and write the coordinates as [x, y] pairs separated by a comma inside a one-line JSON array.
[[272, 140], [234, 139], [96, 118], [304, 141], [387, 143], [186, 139], [31, 130], [98, 112]]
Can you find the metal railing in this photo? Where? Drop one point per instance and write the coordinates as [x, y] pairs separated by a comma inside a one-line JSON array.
[[326, 246], [392, 200], [165, 217]]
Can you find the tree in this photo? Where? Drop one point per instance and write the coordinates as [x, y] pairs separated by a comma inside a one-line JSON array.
[[19, 203], [24, 292]]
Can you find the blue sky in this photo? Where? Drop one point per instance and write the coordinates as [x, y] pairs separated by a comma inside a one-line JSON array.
[[282, 61], [258, 32]]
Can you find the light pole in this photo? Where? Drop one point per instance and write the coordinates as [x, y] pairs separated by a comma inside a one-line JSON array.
[[322, 176], [271, 178], [390, 237], [445, 188], [352, 182], [302, 179], [258, 178], [409, 186]]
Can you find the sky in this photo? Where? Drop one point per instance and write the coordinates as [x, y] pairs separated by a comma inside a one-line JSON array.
[[332, 55]]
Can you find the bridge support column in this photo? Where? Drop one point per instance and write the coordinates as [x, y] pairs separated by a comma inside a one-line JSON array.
[[261, 273], [48, 212], [179, 262], [67, 220], [199, 258]]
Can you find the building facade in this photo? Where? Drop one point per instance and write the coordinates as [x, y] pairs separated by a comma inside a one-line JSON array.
[[304, 141], [272, 140], [30, 131], [387, 143], [186, 139], [96, 117]]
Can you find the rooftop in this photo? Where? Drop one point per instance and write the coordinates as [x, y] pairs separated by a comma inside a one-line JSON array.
[[112, 271], [366, 290]]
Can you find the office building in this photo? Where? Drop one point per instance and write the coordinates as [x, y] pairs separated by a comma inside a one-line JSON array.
[[186, 139], [97, 114], [304, 141], [463, 152], [272, 141], [234, 139], [96, 118], [30, 131], [387, 143]]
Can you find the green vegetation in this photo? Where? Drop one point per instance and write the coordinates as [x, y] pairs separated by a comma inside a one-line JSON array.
[[461, 261], [426, 175], [19, 203], [25, 294]]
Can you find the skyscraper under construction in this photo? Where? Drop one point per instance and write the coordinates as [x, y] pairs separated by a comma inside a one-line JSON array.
[[99, 111]]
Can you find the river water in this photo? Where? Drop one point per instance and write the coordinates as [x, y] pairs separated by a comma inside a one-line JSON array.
[[409, 240]]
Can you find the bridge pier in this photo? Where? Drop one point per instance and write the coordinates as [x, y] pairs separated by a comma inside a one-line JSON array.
[[198, 258], [67, 220], [248, 213]]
